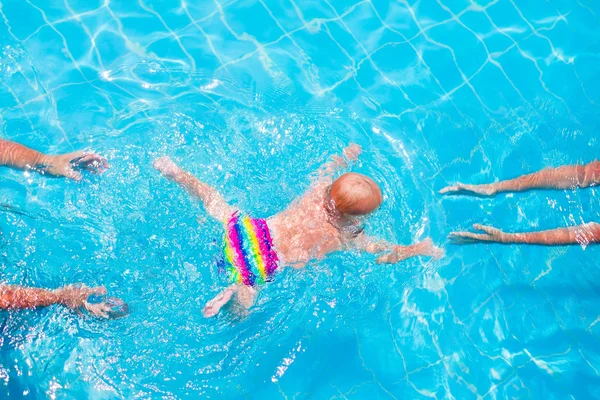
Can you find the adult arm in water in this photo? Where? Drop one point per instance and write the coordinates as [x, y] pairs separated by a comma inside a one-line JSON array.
[[581, 234], [72, 297], [69, 165], [565, 177]]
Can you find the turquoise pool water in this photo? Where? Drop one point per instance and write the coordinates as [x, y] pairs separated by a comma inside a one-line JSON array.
[[252, 96]]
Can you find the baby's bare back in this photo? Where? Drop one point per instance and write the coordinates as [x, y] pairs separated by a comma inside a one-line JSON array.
[[302, 232]]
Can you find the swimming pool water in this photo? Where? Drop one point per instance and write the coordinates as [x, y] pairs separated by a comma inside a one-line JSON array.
[[252, 96]]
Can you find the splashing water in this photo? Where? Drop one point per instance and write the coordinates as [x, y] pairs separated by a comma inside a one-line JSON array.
[[251, 97]]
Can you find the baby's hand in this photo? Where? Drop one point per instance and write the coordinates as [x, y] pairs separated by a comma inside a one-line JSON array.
[[352, 152], [399, 253], [167, 167]]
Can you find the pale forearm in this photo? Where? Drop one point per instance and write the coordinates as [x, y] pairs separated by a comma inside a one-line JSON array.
[[582, 234], [565, 177], [17, 297], [18, 156]]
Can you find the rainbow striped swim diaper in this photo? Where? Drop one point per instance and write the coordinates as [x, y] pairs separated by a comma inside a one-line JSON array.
[[249, 254]]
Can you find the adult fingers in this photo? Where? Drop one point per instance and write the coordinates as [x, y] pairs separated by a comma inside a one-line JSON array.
[[86, 158], [72, 174], [75, 156], [467, 237], [487, 229], [99, 310], [450, 189], [92, 162]]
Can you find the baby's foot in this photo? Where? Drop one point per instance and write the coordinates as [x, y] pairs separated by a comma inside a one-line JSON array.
[[213, 307]]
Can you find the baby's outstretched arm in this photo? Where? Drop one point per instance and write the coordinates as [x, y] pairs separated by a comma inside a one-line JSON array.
[[393, 252], [73, 297], [565, 177], [336, 163], [68, 165], [214, 203], [581, 234]]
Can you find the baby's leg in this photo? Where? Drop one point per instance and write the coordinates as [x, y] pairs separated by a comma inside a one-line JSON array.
[[213, 307], [244, 299], [214, 203], [246, 296]]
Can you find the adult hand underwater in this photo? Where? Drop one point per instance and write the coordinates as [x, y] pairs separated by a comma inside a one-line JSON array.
[[73, 297], [564, 177], [69, 165]]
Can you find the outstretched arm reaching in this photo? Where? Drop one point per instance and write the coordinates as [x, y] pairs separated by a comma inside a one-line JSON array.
[[214, 203], [581, 234], [565, 177], [69, 165], [336, 163], [73, 297], [394, 253]]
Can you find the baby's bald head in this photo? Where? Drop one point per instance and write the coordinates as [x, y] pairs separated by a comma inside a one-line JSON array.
[[355, 194]]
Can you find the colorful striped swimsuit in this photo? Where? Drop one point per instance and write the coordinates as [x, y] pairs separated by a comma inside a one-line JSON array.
[[249, 254]]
